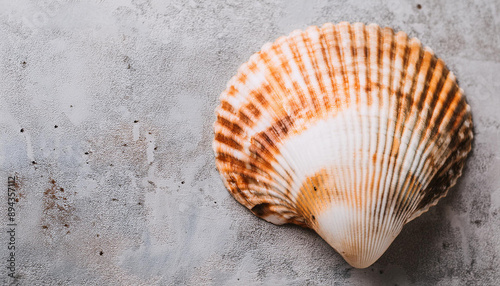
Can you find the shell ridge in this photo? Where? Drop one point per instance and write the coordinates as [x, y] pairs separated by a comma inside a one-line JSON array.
[[349, 47], [282, 83], [437, 143], [363, 64], [376, 74], [347, 61], [453, 160], [398, 81], [335, 52], [387, 120], [299, 83], [415, 139], [393, 143], [426, 140], [372, 40], [381, 141], [310, 67], [408, 121]]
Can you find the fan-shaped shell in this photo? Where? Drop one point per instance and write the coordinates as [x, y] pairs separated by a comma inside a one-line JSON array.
[[350, 130]]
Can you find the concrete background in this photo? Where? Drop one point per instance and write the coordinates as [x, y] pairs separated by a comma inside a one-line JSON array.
[[106, 112]]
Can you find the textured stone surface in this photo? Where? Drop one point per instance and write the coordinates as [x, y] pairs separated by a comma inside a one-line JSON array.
[[117, 182]]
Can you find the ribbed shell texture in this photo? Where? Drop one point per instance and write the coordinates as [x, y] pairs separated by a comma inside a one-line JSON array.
[[350, 130]]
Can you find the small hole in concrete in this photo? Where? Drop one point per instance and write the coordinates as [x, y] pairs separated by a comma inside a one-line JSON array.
[[55, 126], [22, 130], [419, 6], [101, 253]]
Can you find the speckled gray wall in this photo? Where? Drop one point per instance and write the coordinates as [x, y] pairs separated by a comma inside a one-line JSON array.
[[106, 111]]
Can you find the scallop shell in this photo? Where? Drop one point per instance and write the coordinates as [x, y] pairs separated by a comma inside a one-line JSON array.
[[350, 130]]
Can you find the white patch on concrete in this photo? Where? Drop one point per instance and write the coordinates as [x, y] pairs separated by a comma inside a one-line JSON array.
[[150, 151], [29, 147], [136, 131], [495, 200], [74, 102], [458, 221], [87, 187], [152, 178], [183, 207]]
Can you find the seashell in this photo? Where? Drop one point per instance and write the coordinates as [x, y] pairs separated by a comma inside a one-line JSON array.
[[350, 130]]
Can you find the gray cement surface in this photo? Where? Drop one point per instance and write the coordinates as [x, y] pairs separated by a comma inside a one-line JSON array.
[[106, 112]]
